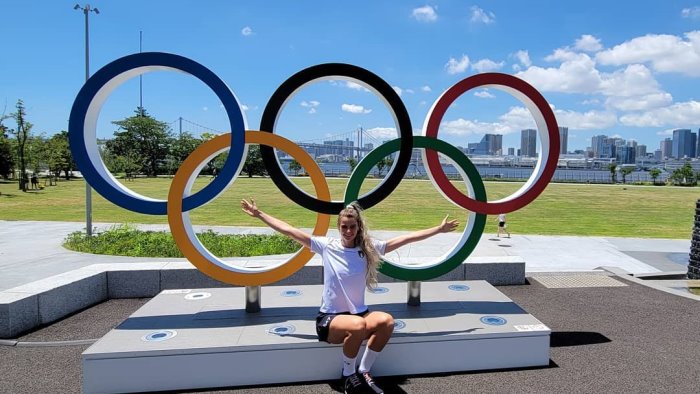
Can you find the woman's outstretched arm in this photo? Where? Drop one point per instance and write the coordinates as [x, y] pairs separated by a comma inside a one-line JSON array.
[[280, 226], [445, 227]]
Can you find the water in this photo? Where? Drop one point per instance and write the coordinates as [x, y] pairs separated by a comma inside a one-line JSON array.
[[342, 169]]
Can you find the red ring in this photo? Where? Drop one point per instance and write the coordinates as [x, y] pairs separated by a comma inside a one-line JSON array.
[[433, 124]]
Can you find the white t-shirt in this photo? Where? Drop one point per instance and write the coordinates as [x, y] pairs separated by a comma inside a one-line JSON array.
[[502, 217], [344, 272]]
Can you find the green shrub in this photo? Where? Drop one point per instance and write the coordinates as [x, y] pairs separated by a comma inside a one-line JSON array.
[[127, 240]]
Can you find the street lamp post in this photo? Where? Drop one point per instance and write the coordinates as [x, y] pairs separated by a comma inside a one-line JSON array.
[[88, 191]]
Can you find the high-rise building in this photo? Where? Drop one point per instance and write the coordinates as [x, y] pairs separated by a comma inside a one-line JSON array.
[[641, 150], [490, 144], [684, 142], [563, 140], [597, 144], [528, 143], [511, 151], [625, 154], [666, 148]]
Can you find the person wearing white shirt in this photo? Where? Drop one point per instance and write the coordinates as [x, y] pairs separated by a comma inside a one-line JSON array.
[[349, 265]]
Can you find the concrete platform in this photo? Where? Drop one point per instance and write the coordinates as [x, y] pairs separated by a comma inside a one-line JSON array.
[[203, 338]]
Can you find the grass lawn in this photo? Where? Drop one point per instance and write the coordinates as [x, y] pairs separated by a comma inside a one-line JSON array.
[[563, 209]]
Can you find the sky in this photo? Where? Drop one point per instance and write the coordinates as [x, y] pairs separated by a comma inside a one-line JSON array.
[[621, 68]]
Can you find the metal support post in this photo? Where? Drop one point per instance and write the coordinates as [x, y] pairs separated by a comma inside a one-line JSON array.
[[252, 299]]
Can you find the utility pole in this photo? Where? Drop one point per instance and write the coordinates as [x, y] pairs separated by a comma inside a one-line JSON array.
[[88, 190], [140, 75]]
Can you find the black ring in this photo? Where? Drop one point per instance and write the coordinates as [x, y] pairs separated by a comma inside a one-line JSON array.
[[287, 89]]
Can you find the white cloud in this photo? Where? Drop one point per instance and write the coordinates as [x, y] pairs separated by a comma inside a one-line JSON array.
[[311, 105], [409, 91], [677, 114], [576, 74], [355, 109], [247, 31], [588, 43], [426, 88], [692, 13], [484, 94], [665, 53], [667, 132], [481, 16], [355, 86], [631, 89], [455, 66], [589, 120], [383, 133], [398, 90], [486, 65], [425, 14], [523, 57], [245, 107]]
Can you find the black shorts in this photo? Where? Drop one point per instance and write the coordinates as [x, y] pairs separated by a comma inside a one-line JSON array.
[[323, 323], [501, 224]]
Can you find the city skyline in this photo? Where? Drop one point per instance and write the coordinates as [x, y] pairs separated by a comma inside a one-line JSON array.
[[630, 77]]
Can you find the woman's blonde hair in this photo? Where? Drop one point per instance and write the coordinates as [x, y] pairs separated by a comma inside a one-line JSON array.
[[363, 241]]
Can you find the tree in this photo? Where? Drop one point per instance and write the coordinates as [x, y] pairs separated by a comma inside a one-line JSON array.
[[7, 160], [295, 166], [683, 176], [143, 137], [625, 171], [22, 133], [254, 163], [386, 162], [654, 173], [352, 162], [613, 172]]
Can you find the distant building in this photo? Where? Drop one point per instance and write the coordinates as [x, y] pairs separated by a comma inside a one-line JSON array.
[[511, 151], [641, 150], [490, 145], [563, 140], [625, 154], [528, 143], [666, 148], [597, 144], [658, 156], [684, 143]]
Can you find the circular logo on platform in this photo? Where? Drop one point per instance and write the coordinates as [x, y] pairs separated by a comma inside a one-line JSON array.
[[493, 320], [197, 296], [290, 293], [458, 287], [379, 290], [399, 325], [282, 330], [159, 336]]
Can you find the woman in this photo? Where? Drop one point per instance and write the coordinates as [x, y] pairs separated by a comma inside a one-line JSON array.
[[350, 264]]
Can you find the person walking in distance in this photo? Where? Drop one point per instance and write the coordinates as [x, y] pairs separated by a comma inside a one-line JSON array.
[[350, 264], [502, 226]]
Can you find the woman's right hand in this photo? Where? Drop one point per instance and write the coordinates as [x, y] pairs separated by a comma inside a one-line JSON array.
[[250, 208]]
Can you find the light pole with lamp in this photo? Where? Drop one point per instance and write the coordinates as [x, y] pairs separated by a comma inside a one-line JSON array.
[[88, 191]]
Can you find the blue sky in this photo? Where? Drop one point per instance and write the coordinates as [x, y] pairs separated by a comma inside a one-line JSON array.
[[621, 68]]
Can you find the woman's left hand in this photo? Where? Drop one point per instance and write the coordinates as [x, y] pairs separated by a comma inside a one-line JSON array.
[[448, 225]]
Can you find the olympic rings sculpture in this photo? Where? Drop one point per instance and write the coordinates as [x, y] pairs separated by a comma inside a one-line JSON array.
[[82, 137]]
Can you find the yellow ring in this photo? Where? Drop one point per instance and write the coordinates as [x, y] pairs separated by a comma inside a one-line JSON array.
[[184, 235]]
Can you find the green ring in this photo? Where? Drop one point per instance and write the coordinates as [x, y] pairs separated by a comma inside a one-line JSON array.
[[457, 257]]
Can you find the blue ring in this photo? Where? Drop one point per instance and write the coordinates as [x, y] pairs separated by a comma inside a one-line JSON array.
[[76, 130]]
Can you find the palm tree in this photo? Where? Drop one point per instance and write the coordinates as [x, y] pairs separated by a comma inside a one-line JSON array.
[[654, 173], [613, 172]]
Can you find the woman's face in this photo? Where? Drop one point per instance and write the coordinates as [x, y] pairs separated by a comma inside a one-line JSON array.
[[348, 231]]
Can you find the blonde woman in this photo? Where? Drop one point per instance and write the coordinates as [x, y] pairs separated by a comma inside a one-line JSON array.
[[349, 265]]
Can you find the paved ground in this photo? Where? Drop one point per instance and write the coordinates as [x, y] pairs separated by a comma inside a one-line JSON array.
[[630, 339], [30, 251], [624, 339]]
